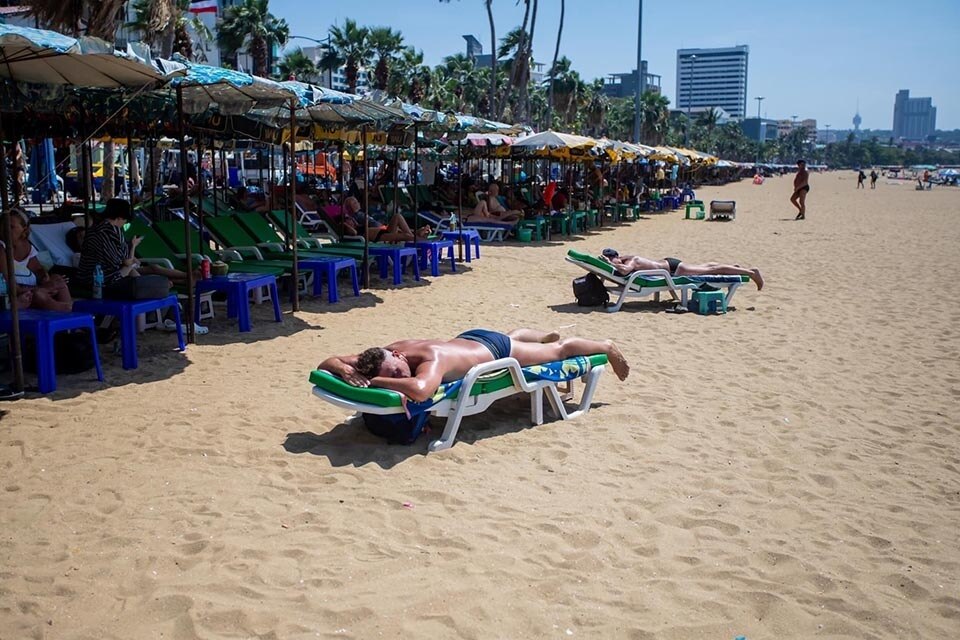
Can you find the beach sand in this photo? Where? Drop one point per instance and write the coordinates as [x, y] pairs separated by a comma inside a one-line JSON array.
[[788, 470]]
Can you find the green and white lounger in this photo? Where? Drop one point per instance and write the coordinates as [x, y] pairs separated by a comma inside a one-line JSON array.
[[641, 284], [480, 388]]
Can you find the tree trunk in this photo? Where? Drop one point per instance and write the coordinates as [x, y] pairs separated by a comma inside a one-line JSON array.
[[556, 54], [258, 51], [528, 60], [134, 169], [107, 190], [351, 72], [493, 60]]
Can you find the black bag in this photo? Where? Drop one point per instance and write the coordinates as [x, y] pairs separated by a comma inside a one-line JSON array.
[[590, 292], [73, 352]]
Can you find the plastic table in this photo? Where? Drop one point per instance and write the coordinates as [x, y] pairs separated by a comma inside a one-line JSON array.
[[470, 237], [238, 286], [432, 250], [44, 325], [127, 311]]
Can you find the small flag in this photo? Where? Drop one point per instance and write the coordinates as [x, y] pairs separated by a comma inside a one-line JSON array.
[[203, 6]]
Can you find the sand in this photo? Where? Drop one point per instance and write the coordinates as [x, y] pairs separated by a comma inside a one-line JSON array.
[[788, 470]]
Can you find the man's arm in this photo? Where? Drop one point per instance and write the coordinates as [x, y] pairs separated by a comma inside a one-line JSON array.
[[345, 367], [420, 387]]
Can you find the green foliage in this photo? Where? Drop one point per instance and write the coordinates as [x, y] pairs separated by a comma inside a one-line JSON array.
[[249, 26]]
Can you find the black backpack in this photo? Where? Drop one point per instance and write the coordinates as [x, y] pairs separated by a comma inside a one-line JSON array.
[[590, 292], [73, 352]]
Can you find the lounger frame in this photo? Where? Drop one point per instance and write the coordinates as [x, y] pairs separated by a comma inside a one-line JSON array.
[[465, 404], [627, 287]]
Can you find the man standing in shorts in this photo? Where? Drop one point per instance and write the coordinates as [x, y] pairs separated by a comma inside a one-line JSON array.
[[800, 188]]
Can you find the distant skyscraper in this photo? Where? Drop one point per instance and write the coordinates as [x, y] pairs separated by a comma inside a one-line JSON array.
[[713, 78], [913, 118]]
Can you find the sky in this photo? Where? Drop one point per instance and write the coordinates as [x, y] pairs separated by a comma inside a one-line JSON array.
[[812, 59]]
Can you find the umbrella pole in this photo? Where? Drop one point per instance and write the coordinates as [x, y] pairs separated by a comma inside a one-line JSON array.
[[460, 199], [293, 203], [200, 188], [396, 182], [366, 209], [416, 183], [270, 180], [259, 164], [16, 351], [153, 178], [213, 155], [340, 178], [181, 135]]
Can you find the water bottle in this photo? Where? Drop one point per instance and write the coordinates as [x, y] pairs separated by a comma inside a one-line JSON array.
[[97, 282], [4, 295]]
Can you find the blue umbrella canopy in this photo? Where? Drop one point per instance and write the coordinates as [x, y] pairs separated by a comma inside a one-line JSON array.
[[40, 56], [231, 92]]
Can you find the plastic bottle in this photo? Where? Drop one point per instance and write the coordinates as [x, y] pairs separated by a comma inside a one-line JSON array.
[[4, 295], [97, 282]]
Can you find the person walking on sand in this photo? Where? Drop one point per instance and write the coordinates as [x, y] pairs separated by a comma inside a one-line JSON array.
[[873, 179], [801, 187], [861, 177]]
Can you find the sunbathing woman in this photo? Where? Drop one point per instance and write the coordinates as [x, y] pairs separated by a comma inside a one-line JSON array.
[[416, 368], [625, 265]]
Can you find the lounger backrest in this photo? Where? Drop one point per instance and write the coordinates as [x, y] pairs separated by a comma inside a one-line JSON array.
[[229, 233], [53, 239], [258, 227], [152, 245], [172, 233]]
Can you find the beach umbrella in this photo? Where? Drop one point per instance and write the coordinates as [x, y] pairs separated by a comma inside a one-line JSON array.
[[40, 56], [198, 88], [47, 57]]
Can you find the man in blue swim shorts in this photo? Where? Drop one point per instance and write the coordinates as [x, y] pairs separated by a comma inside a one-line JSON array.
[[416, 368]]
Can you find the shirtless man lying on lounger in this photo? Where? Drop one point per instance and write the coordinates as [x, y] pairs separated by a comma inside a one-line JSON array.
[[625, 265], [416, 368]]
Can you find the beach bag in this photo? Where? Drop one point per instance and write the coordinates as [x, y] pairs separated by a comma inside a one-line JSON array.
[[396, 428], [590, 292], [73, 352]]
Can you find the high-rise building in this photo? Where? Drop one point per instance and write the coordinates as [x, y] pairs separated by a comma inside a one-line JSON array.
[[913, 118], [713, 78]]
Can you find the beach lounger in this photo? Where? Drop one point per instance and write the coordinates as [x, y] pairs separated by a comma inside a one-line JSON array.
[[482, 386], [641, 284], [489, 231]]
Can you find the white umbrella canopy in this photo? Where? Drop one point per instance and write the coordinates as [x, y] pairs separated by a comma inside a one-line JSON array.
[[555, 140], [40, 56]]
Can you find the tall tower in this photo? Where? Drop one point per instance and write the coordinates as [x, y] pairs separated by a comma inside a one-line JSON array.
[[856, 122]]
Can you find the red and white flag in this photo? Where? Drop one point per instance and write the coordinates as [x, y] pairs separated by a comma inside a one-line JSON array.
[[203, 6]]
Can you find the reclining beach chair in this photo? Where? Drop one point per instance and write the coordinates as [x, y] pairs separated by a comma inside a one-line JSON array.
[[482, 386], [641, 284], [489, 231]]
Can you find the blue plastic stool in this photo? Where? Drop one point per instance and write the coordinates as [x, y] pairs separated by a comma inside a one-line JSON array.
[[708, 302], [470, 238], [43, 325]]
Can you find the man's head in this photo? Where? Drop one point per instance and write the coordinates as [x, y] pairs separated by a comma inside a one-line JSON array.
[[494, 189], [802, 163], [351, 205], [118, 211], [377, 361]]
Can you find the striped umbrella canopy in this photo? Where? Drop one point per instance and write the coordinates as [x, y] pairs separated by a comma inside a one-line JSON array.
[[40, 56]]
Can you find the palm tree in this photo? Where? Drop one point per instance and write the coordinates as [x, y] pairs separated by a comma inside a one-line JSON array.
[[97, 18], [656, 115], [250, 26], [297, 66], [386, 43], [166, 24], [595, 108], [556, 52], [352, 45]]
